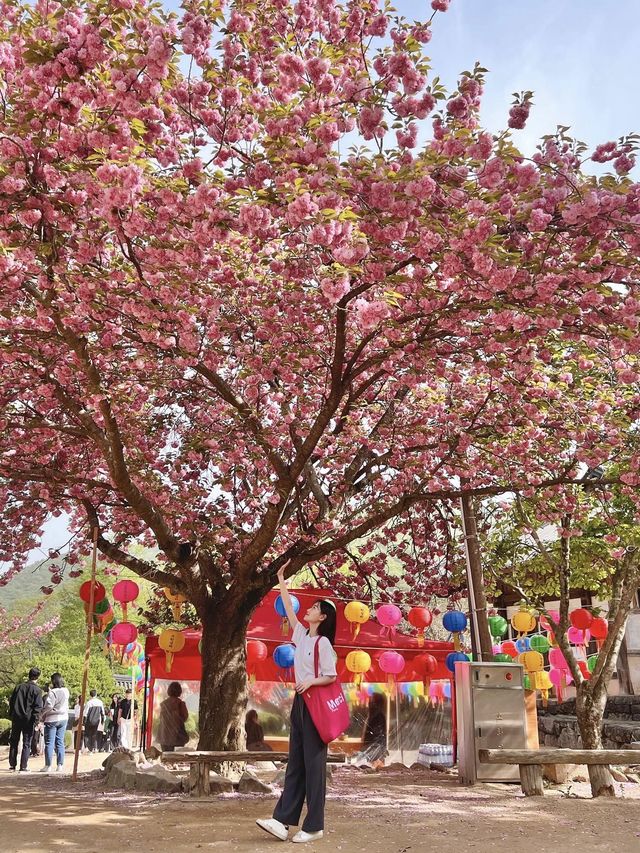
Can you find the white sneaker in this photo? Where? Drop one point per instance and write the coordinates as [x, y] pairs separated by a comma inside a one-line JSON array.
[[274, 827], [60, 768], [302, 836], [46, 769]]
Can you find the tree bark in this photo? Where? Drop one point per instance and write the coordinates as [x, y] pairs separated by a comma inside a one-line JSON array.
[[223, 689], [590, 712]]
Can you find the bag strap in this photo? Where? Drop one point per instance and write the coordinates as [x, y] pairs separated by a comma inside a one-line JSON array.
[[316, 657]]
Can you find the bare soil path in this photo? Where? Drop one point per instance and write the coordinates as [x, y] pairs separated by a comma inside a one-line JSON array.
[[387, 812]]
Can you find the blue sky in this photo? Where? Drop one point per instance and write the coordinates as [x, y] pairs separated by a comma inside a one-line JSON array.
[[580, 57]]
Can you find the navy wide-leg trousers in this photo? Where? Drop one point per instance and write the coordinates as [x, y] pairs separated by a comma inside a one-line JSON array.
[[306, 775]]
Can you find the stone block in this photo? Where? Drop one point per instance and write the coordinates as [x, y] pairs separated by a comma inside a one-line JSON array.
[[157, 778], [617, 775], [560, 774], [250, 784], [220, 784], [119, 754], [122, 776]]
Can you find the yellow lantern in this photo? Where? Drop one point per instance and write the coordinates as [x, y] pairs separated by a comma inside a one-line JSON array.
[[531, 661], [357, 614], [176, 599], [543, 683], [523, 621], [358, 663], [171, 642]]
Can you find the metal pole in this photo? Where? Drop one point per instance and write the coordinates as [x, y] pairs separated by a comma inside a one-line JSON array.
[[145, 697], [87, 653], [398, 735], [475, 580], [475, 634]]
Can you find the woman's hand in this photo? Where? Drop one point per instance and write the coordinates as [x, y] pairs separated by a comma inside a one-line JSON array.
[[281, 571], [303, 686]]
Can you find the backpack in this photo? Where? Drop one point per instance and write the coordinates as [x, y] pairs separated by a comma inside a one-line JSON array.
[[94, 715]]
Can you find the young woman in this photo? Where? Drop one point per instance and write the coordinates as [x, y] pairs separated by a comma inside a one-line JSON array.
[[306, 775], [55, 716], [173, 716]]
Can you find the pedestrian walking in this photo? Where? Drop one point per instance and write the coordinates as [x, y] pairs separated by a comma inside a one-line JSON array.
[[55, 716], [25, 706], [306, 775], [114, 709], [127, 719], [93, 718]]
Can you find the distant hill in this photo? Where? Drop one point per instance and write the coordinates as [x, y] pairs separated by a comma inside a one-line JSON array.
[[25, 586]]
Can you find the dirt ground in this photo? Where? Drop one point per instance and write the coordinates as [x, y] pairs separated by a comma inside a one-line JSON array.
[[387, 812]]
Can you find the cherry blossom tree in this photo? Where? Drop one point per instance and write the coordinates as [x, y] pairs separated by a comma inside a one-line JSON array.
[[247, 317]]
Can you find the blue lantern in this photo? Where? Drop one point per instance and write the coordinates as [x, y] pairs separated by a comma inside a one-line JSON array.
[[453, 658], [283, 658], [455, 622], [523, 644], [281, 611]]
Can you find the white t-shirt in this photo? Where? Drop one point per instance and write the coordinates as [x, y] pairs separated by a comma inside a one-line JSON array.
[[56, 705], [303, 661]]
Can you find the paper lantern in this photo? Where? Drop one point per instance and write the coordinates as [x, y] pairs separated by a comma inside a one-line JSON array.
[[557, 660], [497, 626], [559, 678], [539, 643], [523, 621], [544, 622], [358, 662], [392, 663], [509, 648], [599, 630], [85, 592], [124, 592], [356, 613], [578, 637], [388, 615], [544, 684], [425, 666], [584, 669], [420, 618], [123, 633], [581, 618], [455, 622], [500, 658], [171, 642], [283, 657], [531, 661], [176, 600], [453, 658], [523, 644], [280, 609], [592, 662], [256, 651]]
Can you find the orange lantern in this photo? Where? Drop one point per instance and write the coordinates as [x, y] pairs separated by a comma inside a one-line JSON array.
[[176, 599], [356, 613], [171, 642]]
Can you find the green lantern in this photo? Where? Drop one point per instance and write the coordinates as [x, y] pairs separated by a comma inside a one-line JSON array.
[[539, 643], [503, 658], [592, 662], [526, 682], [497, 626]]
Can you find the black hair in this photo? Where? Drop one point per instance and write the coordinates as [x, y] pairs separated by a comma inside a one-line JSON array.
[[251, 716], [34, 673], [57, 680], [93, 692], [174, 689], [327, 627]]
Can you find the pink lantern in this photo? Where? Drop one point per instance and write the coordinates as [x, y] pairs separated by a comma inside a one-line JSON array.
[[559, 678], [544, 622], [123, 633], [436, 693], [392, 663], [388, 615], [556, 659], [578, 637], [496, 650], [125, 592]]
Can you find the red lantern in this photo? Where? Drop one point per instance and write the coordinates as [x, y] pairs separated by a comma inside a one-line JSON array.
[[581, 619], [125, 592], [98, 594], [256, 652], [425, 666], [584, 669], [599, 629], [509, 648], [420, 618]]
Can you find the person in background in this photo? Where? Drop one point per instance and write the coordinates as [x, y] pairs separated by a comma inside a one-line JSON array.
[[127, 719], [374, 735], [25, 706], [55, 716], [75, 716], [93, 718], [173, 715], [114, 708], [254, 733]]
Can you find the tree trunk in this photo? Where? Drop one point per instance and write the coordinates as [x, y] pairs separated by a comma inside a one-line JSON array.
[[590, 713], [223, 689], [475, 580]]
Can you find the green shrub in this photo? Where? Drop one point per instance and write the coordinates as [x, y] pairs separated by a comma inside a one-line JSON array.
[[5, 728]]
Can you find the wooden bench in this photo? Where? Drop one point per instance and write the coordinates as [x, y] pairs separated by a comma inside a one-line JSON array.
[[530, 761], [202, 761]]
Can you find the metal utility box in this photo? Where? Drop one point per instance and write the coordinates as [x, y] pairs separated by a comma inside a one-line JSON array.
[[490, 709]]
